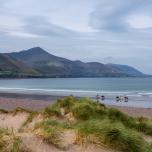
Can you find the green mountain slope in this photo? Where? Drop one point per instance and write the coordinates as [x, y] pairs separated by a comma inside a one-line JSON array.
[[127, 69], [10, 67]]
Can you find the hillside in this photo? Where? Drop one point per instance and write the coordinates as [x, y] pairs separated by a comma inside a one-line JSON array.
[[10, 67], [49, 65], [127, 69]]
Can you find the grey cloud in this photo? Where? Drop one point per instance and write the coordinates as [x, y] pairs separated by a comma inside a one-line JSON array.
[[112, 15], [41, 26]]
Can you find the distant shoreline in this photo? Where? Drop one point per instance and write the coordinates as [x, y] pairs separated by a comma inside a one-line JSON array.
[[48, 77]]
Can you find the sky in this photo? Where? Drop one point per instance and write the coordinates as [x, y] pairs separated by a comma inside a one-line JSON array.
[[107, 31]]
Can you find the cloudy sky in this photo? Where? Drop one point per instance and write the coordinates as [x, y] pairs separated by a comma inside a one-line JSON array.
[[108, 31]]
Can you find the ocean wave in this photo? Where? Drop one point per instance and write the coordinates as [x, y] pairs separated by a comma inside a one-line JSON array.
[[76, 92]]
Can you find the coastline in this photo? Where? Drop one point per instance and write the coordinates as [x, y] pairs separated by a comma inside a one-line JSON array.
[[37, 102]]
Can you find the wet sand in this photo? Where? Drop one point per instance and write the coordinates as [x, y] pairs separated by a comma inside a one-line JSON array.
[[10, 101]]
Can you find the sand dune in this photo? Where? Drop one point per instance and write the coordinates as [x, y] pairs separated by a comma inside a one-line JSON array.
[[32, 143]]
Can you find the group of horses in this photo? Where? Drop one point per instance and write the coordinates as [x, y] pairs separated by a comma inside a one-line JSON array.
[[118, 98]]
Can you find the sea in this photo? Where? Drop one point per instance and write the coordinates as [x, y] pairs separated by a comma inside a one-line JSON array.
[[138, 90]]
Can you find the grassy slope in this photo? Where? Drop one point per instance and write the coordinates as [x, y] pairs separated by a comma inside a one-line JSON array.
[[12, 67], [92, 123]]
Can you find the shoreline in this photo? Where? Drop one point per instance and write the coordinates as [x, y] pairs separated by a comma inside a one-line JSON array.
[[37, 102]]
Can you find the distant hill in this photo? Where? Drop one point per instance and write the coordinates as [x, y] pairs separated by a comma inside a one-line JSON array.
[[39, 63], [10, 67], [127, 69]]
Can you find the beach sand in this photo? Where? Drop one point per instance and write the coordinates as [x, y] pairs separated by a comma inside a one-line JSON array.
[[11, 101]]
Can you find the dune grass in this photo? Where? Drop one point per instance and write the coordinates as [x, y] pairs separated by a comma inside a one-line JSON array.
[[93, 123], [9, 142], [50, 131], [104, 125], [3, 111], [139, 124], [113, 134]]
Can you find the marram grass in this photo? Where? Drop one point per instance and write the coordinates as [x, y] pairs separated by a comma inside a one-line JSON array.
[[105, 125]]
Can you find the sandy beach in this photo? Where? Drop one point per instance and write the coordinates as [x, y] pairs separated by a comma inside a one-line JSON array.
[[10, 101]]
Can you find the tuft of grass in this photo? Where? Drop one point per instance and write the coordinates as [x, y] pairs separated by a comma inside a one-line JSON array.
[[67, 103], [19, 109], [9, 142], [3, 111], [16, 144], [83, 111], [52, 110], [50, 131], [28, 120]]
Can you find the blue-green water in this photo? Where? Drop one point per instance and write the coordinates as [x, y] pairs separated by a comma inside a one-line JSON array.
[[139, 90]]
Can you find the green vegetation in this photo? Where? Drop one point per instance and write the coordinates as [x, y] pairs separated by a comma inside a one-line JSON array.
[[96, 123], [51, 130], [139, 124], [53, 110], [90, 121], [113, 134], [9, 142]]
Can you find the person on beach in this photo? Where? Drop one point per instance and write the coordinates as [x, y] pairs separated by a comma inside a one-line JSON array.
[[125, 99], [102, 98], [121, 98], [117, 98], [97, 98]]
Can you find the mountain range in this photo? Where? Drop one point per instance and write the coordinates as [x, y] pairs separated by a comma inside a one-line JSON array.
[[36, 62]]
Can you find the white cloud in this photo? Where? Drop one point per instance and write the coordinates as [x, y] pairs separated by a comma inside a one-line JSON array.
[[22, 34], [140, 21]]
